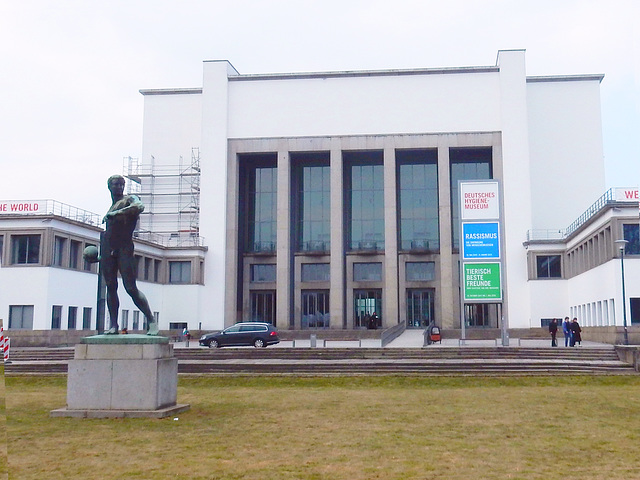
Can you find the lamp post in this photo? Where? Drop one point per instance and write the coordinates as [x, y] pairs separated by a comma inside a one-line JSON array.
[[622, 245]]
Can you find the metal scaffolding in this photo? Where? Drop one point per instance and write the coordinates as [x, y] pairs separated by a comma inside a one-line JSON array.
[[171, 195]]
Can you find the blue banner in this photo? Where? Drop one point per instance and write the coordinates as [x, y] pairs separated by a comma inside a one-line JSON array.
[[480, 240]]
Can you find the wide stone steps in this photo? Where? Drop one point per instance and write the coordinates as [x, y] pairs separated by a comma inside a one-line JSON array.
[[510, 361]]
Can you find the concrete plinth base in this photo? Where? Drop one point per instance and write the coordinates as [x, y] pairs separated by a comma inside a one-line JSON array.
[[160, 413], [117, 376]]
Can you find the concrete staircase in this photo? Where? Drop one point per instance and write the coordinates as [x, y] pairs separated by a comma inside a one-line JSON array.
[[450, 361]]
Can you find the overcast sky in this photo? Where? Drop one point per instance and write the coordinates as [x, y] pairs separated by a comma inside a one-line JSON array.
[[71, 70]]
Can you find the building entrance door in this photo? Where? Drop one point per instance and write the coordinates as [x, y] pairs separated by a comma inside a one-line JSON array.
[[420, 308], [366, 303]]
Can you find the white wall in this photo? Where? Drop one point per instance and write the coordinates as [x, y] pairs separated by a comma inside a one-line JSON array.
[[172, 125], [565, 138], [548, 300], [428, 103]]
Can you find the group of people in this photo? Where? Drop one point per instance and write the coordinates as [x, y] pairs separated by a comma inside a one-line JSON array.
[[571, 330]]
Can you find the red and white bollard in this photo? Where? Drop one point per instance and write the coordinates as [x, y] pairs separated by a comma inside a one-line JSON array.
[[5, 343]]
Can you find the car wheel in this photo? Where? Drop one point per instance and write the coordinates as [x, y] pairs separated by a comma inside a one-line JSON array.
[[259, 343], [214, 344]]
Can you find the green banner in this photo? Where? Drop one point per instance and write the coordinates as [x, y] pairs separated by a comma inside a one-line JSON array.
[[482, 282]]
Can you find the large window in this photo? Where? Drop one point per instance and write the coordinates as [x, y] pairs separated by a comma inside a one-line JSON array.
[[59, 245], [21, 317], [466, 164], [365, 202], [75, 254], [258, 202], [72, 318], [263, 273], [56, 317], [420, 271], [312, 195], [418, 199], [86, 318], [634, 304], [315, 309], [180, 272], [632, 235], [548, 266], [25, 249], [367, 272], [315, 272]]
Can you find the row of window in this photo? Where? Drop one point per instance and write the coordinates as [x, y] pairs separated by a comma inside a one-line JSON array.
[[590, 253], [27, 249], [362, 272], [21, 318], [417, 198]]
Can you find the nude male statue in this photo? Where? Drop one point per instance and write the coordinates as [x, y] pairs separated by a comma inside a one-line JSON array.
[[116, 253]]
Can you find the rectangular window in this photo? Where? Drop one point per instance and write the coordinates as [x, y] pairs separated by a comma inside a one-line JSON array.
[[466, 164], [25, 249], [258, 201], [179, 272], [59, 245], [549, 266], [635, 310], [86, 318], [315, 309], [56, 317], [124, 319], [632, 235], [139, 267], [365, 200], [312, 189], [72, 318], [418, 199], [1, 248], [74, 254], [315, 272], [136, 320], [420, 271], [156, 271], [21, 317], [148, 264], [263, 273], [367, 272]]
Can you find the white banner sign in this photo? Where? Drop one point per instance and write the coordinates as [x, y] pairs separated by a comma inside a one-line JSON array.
[[480, 201], [627, 195], [25, 206]]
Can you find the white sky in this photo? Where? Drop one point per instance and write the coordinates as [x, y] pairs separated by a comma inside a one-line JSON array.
[[70, 70]]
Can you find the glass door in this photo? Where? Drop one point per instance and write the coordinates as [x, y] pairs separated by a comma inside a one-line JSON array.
[[420, 308]]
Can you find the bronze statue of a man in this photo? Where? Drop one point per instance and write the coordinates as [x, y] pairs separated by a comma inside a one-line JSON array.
[[116, 253]]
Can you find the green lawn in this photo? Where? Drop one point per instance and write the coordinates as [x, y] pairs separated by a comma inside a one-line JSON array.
[[340, 428]]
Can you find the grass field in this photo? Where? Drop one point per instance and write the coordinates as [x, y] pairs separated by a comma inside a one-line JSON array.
[[340, 428]]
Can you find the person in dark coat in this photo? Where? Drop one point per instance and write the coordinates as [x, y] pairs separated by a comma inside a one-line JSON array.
[[575, 333], [566, 329], [553, 330]]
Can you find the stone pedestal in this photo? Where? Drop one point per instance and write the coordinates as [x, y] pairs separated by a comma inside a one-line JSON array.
[[115, 376]]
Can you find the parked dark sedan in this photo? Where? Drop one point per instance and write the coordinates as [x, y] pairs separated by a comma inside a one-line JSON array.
[[242, 334]]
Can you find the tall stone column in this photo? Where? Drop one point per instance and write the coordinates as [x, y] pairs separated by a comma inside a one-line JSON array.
[[283, 238], [390, 297], [448, 288], [337, 292]]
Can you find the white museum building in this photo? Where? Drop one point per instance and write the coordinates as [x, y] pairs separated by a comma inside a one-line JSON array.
[[314, 200]]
